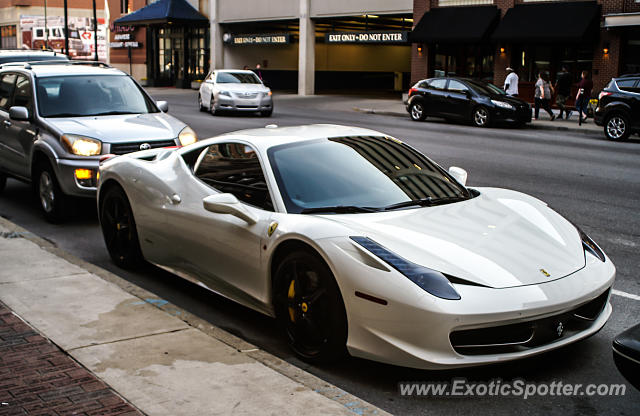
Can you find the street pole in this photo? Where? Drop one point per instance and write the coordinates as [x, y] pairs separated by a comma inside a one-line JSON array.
[[66, 30], [95, 32], [46, 32]]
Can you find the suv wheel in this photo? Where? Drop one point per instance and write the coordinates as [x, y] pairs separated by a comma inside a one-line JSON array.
[[52, 201], [616, 127], [417, 112]]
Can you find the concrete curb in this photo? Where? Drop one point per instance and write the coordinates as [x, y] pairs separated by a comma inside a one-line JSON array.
[[535, 126], [349, 401]]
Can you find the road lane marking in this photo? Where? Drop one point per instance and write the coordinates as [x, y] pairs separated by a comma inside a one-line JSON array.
[[625, 294]]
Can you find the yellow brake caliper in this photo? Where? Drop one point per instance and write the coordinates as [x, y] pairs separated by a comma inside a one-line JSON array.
[[291, 294]]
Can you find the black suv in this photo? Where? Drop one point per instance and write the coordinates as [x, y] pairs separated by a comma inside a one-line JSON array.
[[619, 107]]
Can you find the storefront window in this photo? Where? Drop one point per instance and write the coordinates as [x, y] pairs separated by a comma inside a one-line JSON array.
[[8, 38], [630, 62], [531, 60], [182, 55], [463, 60]]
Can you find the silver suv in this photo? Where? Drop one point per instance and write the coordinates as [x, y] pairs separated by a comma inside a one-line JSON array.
[[58, 120]]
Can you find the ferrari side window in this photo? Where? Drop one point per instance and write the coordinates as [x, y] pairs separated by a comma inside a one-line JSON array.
[[234, 168]]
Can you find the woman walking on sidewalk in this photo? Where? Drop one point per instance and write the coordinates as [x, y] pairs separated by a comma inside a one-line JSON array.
[[543, 95], [582, 98]]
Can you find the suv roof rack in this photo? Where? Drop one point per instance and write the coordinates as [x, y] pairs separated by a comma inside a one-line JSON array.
[[29, 64]]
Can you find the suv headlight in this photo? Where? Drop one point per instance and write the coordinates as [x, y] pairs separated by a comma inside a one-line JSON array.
[[187, 136], [429, 280], [502, 104], [81, 145]]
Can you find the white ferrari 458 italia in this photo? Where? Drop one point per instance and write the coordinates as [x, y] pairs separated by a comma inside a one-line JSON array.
[[356, 242]]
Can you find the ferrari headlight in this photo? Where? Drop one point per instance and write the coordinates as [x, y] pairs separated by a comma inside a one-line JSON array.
[[80, 145], [187, 136], [429, 280], [590, 246], [502, 104]]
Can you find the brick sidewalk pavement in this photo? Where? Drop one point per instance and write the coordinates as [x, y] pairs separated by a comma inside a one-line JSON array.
[[37, 378]]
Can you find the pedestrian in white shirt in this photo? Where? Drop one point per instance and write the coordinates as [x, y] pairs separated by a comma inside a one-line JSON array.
[[511, 83]]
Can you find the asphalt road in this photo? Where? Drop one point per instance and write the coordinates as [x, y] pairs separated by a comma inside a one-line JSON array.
[[593, 182]]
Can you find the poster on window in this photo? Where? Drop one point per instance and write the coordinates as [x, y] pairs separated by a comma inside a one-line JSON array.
[[81, 35]]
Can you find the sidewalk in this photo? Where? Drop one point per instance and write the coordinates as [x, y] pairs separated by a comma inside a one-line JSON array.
[[92, 343]]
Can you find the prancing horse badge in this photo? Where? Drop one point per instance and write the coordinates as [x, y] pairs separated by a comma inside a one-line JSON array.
[[272, 228]]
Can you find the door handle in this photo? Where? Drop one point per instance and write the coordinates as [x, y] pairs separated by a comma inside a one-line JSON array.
[[7, 123]]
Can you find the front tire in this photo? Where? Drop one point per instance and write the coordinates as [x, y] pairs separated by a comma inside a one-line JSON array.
[[481, 117], [53, 202], [309, 308], [266, 113], [212, 106], [616, 127], [417, 111], [119, 229]]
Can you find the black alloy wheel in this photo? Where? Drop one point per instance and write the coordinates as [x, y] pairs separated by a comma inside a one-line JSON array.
[[201, 106], [53, 202], [417, 111], [616, 127], [481, 117], [119, 229], [309, 308]]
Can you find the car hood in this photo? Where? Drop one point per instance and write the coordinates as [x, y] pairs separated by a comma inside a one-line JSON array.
[[498, 239], [121, 128], [511, 100]]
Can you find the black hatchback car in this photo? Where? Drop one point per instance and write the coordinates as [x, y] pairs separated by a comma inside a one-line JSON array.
[[467, 100], [619, 107]]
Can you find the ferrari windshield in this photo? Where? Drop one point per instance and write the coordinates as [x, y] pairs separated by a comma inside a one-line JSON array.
[[359, 174], [90, 95]]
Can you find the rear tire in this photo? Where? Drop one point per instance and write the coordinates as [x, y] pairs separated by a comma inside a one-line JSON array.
[[417, 111], [481, 117], [53, 202], [309, 308], [119, 229], [616, 127]]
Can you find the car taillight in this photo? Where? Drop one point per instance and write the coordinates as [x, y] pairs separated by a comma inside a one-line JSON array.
[[603, 94], [412, 91]]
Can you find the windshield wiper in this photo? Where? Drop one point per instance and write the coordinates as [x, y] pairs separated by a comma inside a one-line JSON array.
[[114, 113], [66, 115], [425, 202], [338, 209]]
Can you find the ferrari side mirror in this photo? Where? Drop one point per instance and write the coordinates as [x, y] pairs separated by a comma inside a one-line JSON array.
[[458, 174], [228, 204]]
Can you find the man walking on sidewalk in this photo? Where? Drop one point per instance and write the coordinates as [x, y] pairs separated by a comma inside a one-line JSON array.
[[511, 82], [563, 89]]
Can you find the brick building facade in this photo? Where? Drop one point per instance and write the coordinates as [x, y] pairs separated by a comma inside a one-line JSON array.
[[611, 44]]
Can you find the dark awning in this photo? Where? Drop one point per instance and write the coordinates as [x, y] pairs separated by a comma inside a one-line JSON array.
[[164, 12], [549, 22], [456, 24]]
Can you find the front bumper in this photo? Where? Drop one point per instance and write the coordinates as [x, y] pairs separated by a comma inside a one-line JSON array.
[[519, 115], [414, 329], [261, 102], [70, 185]]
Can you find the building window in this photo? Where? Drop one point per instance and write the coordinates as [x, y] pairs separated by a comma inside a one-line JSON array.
[[125, 6], [444, 3], [8, 38]]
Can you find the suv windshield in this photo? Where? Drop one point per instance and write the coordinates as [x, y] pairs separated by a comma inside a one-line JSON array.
[[359, 174], [90, 95], [237, 78]]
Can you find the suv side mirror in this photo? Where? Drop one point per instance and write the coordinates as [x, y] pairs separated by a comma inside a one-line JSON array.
[[458, 174], [163, 106], [19, 113], [228, 204]]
